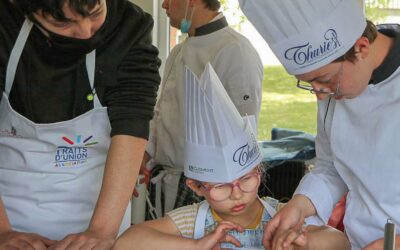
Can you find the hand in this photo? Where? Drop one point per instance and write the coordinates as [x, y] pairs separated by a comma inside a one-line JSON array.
[[378, 244], [219, 235], [144, 171], [290, 217], [375, 245], [24, 241], [290, 239], [84, 241]]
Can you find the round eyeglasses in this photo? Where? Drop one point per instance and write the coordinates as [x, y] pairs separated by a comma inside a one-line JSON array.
[[222, 191], [308, 87]]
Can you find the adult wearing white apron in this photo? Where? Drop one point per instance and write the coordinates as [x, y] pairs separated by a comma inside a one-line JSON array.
[[51, 174], [249, 238]]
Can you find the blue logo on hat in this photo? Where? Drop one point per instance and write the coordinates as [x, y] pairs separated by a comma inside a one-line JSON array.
[[306, 54], [247, 154]]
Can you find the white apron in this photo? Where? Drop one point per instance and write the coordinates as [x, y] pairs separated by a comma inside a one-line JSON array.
[[51, 174], [250, 238]]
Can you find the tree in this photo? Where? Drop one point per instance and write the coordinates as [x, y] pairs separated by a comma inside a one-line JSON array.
[[231, 8], [377, 10]]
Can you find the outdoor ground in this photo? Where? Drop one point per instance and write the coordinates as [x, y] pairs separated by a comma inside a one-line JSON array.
[[284, 105]]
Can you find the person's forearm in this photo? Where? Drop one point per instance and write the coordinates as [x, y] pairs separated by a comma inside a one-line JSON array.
[[303, 203], [142, 237], [4, 223], [326, 238], [120, 175]]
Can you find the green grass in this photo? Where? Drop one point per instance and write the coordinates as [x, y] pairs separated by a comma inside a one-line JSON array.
[[284, 105]]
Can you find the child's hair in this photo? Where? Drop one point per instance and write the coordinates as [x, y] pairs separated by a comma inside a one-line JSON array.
[[263, 189], [370, 33], [54, 8]]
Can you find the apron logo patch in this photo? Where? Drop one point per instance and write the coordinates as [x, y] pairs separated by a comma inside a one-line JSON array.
[[74, 155]]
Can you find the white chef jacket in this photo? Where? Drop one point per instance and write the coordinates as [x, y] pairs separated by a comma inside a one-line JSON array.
[[358, 150], [239, 68]]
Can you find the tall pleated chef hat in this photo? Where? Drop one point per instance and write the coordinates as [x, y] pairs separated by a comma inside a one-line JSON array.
[[220, 145], [306, 34]]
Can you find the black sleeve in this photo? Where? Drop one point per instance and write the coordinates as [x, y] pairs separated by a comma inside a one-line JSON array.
[[131, 101], [10, 23]]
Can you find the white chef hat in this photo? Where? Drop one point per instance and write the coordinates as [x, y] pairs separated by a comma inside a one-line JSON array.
[[306, 34], [220, 145]]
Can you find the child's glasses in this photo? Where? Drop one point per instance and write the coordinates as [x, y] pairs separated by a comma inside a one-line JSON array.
[[222, 191]]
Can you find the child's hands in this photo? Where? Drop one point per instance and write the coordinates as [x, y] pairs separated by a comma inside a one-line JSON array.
[[212, 241]]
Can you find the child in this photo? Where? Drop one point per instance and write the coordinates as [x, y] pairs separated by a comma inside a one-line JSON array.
[[222, 165]]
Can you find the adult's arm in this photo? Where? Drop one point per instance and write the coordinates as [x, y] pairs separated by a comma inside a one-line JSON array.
[[326, 237], [312, 237], [4, 223], [379, 243], [323, 185], [131, 101], [318, 191], [130, 105], [121, 170], [122, 166]]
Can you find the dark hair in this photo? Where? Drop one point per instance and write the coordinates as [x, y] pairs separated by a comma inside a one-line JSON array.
[[54, 8], [370, 33], [212, 4]]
